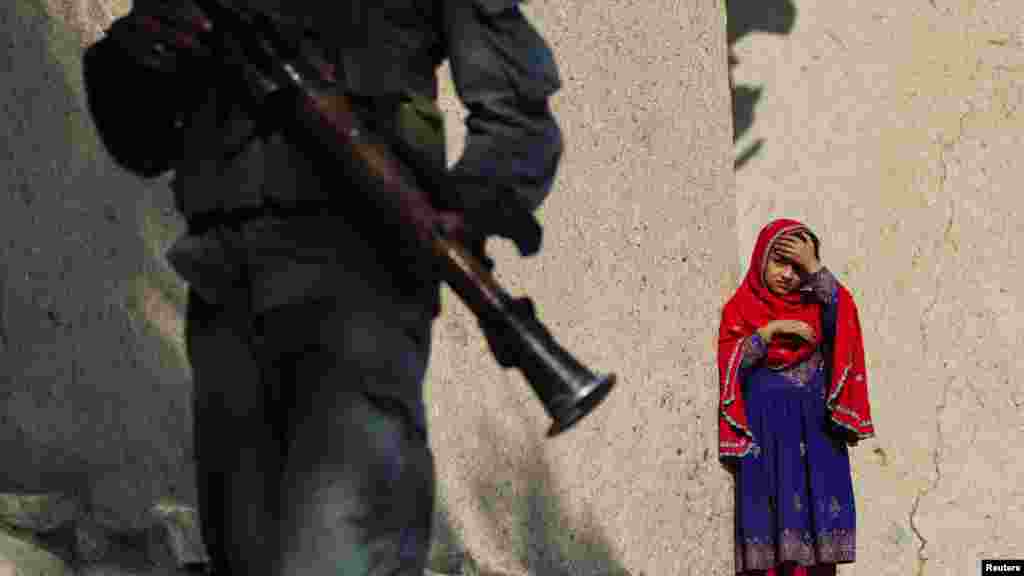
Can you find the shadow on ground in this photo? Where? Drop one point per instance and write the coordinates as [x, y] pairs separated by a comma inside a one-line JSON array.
[[745, 17], [529, 519]]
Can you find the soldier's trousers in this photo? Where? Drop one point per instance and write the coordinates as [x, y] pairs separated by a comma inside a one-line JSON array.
[[311, 442]]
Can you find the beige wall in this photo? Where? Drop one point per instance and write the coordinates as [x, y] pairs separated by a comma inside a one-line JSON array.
[[894, 130], [638, 257]]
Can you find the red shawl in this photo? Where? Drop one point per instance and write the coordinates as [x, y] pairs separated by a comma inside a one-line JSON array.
[[751, 307]]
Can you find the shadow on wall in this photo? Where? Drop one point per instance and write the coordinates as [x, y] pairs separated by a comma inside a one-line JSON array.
[[94, 385], [528, 518], [742, 18]]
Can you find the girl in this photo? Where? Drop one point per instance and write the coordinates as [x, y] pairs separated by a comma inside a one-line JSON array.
[[793, 395]]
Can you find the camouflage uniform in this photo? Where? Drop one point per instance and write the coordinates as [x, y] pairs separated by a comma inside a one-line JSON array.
[[308, 350]]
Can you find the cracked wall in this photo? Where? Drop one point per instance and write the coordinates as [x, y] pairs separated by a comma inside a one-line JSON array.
[[894, 130]]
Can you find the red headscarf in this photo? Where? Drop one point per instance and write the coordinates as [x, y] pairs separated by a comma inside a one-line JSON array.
[[754, 305]]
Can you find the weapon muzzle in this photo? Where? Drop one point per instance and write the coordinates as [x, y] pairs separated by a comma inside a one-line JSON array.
[[567, 389]]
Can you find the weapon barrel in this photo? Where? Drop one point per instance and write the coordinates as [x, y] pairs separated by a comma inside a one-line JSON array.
[[567, 389]]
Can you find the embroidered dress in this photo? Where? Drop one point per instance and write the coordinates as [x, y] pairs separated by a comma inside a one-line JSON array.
[[786, 413], [794, 493]]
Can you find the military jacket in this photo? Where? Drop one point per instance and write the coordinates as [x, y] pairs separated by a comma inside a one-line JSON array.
[[504, 74]]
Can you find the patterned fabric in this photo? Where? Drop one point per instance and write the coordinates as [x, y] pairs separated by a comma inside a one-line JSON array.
[[751, 307], [822, 286], [801, 548], [794, 489], [802, 373], [754, 349]]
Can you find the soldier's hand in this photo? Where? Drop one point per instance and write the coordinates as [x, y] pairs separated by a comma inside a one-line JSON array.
[[159, 33], [450, 223], [501, 214], [426, 220], [519, 225]]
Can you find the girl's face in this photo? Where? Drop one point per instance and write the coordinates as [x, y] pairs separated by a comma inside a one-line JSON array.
[[780, 274]]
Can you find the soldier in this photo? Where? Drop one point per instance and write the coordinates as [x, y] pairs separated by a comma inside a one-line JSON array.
[[309, 335]]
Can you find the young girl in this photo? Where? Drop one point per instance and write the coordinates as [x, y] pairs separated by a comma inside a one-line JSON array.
[[793, 395]]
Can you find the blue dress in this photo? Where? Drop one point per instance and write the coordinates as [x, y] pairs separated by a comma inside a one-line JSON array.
[[794, 490]]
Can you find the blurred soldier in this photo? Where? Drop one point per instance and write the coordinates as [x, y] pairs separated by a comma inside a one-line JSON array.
[[309, 335]]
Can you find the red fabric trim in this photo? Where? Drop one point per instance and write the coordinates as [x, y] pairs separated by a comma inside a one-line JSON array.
[[848, 399], [753, 306]]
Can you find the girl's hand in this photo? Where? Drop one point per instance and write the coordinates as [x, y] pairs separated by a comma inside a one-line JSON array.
[[795, 328], [799, 248], [767, 332]]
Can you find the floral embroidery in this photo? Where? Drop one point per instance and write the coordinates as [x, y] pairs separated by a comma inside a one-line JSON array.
[[733, 449], [842, 381], [729, 396], [797, 546], [746, 431], [856, 423], [753, 554], [836, 546], [753, 349], [730, 374], [853, 430], [804, 372]]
